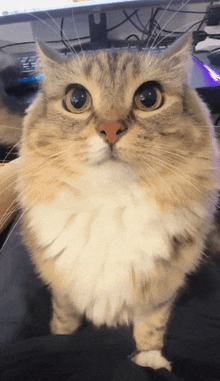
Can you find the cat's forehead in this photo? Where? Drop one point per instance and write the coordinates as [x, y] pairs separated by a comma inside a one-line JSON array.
[[114, 72], [109, 73], [115, 63]]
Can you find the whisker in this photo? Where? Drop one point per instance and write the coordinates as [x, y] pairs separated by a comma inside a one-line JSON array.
[[181, 153], [14, 204], [173, 32], [152, 45], [159, 21], [16, 145], [22, 214], [11, 231], [54, 30], [177, 155], [13, 128], [13, 207], [73, 18], [167, 166], [67, 39], [153, 170], [33, 166]]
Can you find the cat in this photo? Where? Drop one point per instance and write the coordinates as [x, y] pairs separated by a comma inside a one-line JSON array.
[[118, 187], [11, 110]]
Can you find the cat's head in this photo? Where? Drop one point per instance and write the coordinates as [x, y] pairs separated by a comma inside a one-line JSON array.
[[129, 107]]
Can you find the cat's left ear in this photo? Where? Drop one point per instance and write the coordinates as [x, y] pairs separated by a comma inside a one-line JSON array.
[[179, 55], [46, 53], [48, 58]]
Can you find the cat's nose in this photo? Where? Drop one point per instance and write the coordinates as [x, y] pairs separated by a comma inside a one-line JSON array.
[[111, 132]]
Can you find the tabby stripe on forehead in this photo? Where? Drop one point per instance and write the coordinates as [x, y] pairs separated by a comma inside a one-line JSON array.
[[136, 67], [126, 62], [99, 62], [88, 69], [112, 61]]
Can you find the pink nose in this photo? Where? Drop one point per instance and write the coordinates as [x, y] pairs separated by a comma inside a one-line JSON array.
[[111, 132]]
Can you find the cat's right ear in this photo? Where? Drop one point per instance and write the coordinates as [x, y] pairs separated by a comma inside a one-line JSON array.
[[178, 58]]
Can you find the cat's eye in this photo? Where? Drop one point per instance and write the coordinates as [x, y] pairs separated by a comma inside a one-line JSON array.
[[77, 99], [148, 96]]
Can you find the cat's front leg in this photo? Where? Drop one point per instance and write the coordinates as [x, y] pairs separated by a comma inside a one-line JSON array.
[[148, 331], [65, 320]]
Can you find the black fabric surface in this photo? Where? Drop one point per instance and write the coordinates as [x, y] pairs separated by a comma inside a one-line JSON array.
[[29, 352]]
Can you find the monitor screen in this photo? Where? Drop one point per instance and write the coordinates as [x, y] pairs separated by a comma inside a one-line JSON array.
[[22, 10], [15, 7], [27, 6]]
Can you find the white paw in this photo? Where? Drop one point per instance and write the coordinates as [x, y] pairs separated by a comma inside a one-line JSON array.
[[152, 359]]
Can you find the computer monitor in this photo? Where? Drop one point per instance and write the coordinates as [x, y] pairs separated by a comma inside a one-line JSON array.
[[24, 83], [97, 35], [24, 10]]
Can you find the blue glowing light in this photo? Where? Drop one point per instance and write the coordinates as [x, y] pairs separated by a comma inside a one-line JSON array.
[[30, 79]]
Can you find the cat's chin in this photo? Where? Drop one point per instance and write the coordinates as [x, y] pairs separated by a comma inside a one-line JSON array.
[[109, 157], [108, 160]]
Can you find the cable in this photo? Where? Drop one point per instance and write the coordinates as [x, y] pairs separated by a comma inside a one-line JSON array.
[[132, 22], [205, 17], [124, 21], [142, 29], [139, 20], [71, 39], [180, 33], [61, 33], [133, 35], [202, 21], [46, 42], [152, 21]]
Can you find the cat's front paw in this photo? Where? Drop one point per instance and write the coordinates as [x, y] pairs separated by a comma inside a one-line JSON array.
[[152, 359], [60, 326]]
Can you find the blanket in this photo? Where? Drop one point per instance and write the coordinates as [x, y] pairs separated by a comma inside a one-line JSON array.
[[30, 353]]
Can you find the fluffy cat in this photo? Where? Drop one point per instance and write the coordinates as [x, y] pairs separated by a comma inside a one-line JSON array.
[[11, 111], [117, 185]]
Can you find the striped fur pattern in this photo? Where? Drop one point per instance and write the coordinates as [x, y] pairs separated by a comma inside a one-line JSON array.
[[113, 232]]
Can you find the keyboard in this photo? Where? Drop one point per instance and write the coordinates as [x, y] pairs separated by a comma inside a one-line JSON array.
[[27, 63]]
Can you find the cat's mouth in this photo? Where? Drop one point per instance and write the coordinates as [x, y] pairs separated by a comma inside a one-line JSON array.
[[110, 154]]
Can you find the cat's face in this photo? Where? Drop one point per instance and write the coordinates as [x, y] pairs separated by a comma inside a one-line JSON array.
[[132, 108]]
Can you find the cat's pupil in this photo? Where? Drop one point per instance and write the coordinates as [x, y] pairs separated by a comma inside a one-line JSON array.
[[148, 96], [78, 98]]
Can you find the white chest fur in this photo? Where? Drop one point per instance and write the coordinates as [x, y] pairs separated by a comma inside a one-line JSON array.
[[99, 239]]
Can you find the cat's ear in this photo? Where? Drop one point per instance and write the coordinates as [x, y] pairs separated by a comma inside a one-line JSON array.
[[48, 58], [178, 55]]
